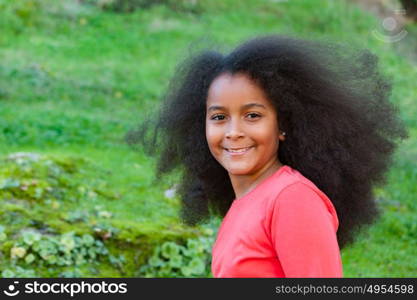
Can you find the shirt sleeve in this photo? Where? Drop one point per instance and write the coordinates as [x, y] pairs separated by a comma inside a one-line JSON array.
[[304, 235]]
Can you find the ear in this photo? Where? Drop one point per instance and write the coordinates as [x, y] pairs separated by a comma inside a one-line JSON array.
[[281, 136]]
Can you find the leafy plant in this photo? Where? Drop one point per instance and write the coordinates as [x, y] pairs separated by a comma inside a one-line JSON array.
[[20, 14], [34, 177], [62, 250], [18, 272], [125, 6], [74, 273], [3, 235], [172, 259]]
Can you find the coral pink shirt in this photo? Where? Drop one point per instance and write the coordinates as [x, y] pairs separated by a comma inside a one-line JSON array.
[[284, 227]]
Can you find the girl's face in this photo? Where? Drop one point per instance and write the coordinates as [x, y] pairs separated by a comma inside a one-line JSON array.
[[241, 125]]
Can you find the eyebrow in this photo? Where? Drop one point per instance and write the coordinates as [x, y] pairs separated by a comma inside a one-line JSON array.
[[246, 106]]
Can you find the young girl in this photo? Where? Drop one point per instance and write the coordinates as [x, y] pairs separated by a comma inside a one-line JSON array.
[[285, 139]]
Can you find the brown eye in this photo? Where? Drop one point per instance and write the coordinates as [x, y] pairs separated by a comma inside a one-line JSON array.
[[253, 116], [218, 117]]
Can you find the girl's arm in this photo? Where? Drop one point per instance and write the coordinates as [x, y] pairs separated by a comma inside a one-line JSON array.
[[303, 232]]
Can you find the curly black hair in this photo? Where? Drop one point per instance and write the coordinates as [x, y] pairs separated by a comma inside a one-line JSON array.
[[331, 100]]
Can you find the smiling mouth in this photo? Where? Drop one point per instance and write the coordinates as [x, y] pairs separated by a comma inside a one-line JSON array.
[[237, 151]]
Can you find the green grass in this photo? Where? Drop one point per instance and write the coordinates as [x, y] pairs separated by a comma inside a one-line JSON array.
[[387, 249], [74, 81]]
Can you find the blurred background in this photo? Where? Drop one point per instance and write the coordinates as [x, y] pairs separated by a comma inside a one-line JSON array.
[[76, 76]]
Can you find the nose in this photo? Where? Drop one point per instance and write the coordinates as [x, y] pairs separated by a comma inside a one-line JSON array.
[[234, 130]]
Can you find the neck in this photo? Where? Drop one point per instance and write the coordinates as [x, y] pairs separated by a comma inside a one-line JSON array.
[[243, 184]]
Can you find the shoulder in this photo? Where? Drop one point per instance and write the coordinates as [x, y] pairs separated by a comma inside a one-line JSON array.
[[288, 180], [298, 196], [301, 194]]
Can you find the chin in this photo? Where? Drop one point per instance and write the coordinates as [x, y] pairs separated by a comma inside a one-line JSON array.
[[235, 171]]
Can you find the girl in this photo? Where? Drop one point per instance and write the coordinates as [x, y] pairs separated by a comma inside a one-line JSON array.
[[285, 139]]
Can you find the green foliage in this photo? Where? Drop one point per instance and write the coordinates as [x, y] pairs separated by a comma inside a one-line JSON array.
[[19, 14], [65, 249], [18, 272], [125, 6], [172, 259], [33, 177], [54, 129], [75, 273], [3, 235], [60, 229], [47, 184], [35, 250], [22, 15], [105, 231]]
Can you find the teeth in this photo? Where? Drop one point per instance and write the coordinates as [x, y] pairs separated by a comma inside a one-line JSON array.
[[238, 150]]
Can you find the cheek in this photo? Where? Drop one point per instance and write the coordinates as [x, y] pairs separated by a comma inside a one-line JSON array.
[[263, 133], [213, 136], [267, 136]]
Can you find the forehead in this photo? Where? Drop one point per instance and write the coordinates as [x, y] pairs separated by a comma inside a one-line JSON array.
[[235, 89]]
